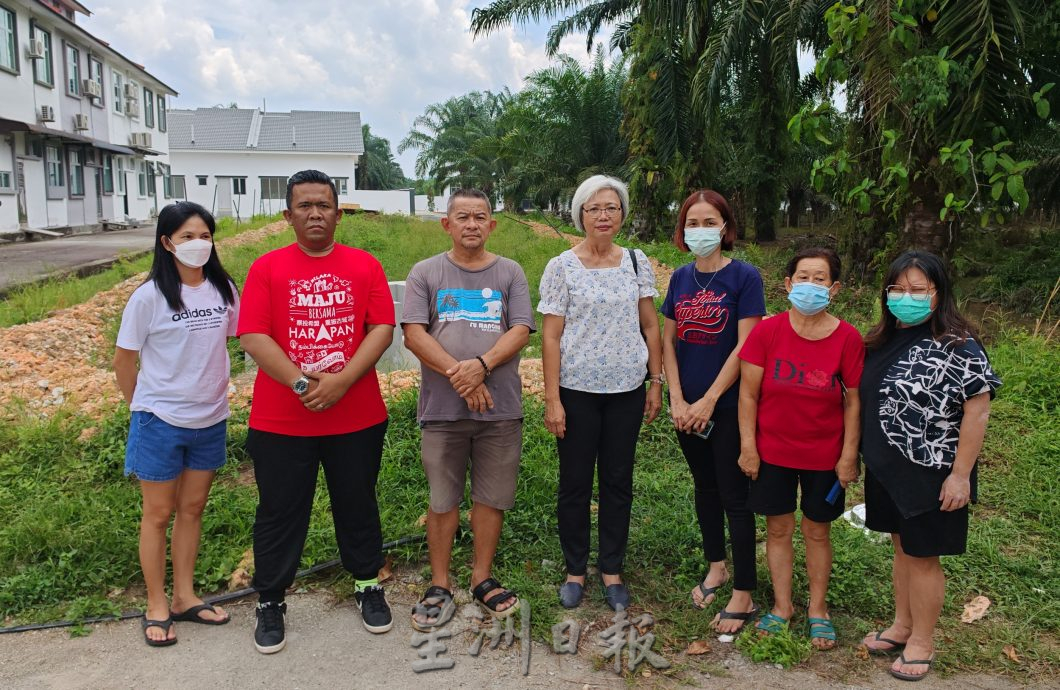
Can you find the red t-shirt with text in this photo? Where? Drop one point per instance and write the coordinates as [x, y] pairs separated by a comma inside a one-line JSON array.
[[316, 309], [800, 406]]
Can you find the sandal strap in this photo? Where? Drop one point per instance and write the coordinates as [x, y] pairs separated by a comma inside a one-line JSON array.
[[486, 585], [821, 628], [498, 599], [433, 610], [738, 615]]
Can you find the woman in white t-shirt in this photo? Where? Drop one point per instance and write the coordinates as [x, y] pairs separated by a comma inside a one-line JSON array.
[[177, 325]]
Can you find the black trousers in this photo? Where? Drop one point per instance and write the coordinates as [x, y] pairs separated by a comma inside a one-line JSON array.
[[285, 468], [721, 492], [601, 435]]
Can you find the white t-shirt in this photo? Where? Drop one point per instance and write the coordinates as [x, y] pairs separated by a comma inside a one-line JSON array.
[[184, 368], [601, 349]]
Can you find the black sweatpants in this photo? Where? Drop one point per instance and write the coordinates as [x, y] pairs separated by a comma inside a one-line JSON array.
[[601, 435], [285, 468], [721, 491]]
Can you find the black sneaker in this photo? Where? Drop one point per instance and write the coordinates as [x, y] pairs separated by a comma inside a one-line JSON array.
[[375, 613], [269, 636]]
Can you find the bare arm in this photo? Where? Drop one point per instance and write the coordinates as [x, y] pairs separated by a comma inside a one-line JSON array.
[[331, 387], [271, 358], [468, 374], [750, 388], [125, 369], [847, 467], [649, 327], [428, 350], [700, 411], [551, 332], [956, 490], [678, 406]]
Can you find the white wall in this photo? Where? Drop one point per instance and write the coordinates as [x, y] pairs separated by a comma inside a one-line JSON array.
[[440, 203], [254, 165], [383, 201]]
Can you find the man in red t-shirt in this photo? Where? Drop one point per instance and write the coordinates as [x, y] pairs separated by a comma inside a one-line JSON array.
[[316, 316]]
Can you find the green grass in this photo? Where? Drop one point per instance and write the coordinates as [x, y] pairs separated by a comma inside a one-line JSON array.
[[69, 520], [35, 301]]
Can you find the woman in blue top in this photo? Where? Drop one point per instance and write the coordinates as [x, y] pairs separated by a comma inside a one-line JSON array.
[[711, 306]]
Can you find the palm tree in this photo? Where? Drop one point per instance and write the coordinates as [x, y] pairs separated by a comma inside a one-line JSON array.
[[377, 168]]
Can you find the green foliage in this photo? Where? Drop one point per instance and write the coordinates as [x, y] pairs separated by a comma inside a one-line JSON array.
[[377, 168], [782, 648]]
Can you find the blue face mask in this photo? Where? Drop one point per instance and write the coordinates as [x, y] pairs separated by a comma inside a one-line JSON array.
[[703, 241], [809, 298], [910, 309]]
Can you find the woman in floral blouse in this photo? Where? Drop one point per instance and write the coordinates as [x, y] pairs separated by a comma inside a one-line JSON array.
[[600, 341]]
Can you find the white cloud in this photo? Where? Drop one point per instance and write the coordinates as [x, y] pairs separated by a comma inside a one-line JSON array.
[[387, 60]]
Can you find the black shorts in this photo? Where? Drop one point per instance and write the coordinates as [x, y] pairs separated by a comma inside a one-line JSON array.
[[776, 490], [934, 533]]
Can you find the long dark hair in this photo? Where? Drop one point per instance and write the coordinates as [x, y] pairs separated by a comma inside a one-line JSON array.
[[164, 268], [947, 324]]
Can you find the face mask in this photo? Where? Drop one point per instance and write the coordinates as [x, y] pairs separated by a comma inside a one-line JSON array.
[[193, 253], [809, 298], [910, 309], [703, 241]]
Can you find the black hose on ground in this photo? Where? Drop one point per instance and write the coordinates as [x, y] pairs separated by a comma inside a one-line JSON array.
[[219, 599]]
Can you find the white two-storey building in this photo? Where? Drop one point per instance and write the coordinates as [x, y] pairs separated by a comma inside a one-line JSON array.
[[83, 136]]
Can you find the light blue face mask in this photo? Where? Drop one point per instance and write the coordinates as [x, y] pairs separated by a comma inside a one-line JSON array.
[[703, 241], [911, 310], [809, 298]]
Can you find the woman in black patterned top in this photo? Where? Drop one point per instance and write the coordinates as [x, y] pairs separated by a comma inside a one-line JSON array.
[[925, 396]]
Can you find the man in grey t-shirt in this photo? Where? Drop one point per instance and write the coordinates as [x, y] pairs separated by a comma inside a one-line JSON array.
[[467, 315]]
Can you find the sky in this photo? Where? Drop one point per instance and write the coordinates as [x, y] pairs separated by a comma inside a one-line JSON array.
[[386, 59]]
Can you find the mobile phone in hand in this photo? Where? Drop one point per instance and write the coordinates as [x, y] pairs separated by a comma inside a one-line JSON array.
[[705, 434]]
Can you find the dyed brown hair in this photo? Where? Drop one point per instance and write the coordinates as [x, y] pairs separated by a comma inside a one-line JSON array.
[[728, 235]]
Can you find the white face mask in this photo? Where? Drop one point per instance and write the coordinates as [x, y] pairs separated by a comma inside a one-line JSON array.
[[193, 253], [703, 241]]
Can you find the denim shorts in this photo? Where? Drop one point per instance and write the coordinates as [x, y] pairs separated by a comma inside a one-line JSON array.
[[160, 452]]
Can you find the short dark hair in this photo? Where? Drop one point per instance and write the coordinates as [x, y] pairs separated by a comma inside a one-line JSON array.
[[164, 271], [829, 255], [728, 235], [310, 176], [468, 193], [947, 323]]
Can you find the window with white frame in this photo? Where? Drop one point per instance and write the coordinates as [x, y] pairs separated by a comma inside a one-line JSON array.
[[95, 73], [7, 183], [273, 187], [149, 107], [77, 172], [132, 105], [108, 173], [177, 188], [8, 41], [141, 178], [73, 70], [161, 112], [151, 172], [119, 174], [55, 172], [239, 185], [42, 68], [118, 81], [341, 184]]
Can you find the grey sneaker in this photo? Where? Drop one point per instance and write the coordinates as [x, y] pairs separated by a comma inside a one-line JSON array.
[[375, 612], [269, 636]]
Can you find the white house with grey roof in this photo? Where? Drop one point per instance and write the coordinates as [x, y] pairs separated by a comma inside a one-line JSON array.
[[236, 161], [82, 127]]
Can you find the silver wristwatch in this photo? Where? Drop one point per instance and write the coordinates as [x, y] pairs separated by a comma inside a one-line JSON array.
[[301, 385]]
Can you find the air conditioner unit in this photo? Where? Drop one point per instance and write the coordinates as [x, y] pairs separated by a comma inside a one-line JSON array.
[[35, 49], [134, 139], [145, 139], [47, 113], [130, 91], [132, 107], [90, 87], [81, 122]]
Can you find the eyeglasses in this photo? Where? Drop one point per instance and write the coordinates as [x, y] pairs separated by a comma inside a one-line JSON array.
[[921, 293], [595, 211]]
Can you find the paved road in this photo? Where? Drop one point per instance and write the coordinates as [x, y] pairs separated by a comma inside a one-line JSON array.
[[25, 262]]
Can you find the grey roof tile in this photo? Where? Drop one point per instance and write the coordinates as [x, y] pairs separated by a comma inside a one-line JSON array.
[[298, 130]]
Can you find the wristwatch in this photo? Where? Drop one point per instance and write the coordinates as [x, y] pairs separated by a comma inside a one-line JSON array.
[[301, 385]]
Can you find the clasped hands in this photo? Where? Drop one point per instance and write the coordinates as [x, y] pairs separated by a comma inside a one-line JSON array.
[[325, 390], [468, 378]]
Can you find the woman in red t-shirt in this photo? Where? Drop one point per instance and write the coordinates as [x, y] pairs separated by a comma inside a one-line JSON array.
[[799, 425]]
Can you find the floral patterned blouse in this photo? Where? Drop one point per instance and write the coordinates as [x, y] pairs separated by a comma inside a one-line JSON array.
[[601, 349]]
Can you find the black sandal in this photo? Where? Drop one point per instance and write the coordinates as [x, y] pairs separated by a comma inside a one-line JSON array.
[[165, 625], [490, 605], [192, 615], [440, 612], [725, 614]]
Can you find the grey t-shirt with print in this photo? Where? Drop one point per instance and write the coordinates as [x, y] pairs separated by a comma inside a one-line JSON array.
[[467, 312]]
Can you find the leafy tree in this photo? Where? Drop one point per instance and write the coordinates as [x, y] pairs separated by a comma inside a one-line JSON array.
[[377, 168]]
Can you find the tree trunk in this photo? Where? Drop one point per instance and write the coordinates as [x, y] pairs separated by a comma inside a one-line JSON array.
[[923, 230], [765, 211]]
